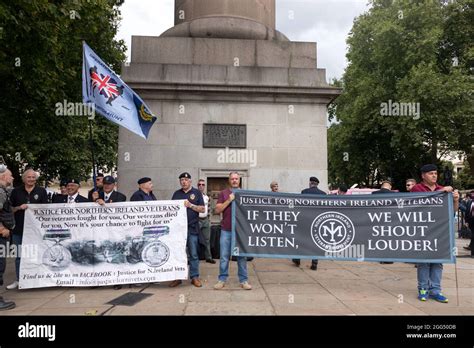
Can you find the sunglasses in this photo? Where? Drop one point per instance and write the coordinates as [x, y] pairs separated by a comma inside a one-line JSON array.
[[201, 184]]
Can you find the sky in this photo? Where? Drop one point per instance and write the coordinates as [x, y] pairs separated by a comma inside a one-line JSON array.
[[327, 22]]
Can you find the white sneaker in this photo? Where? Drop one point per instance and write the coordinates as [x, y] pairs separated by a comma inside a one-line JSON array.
[[246, 286], [219, 285], [13, 285]]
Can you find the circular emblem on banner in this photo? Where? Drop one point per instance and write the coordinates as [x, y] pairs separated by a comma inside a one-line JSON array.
[[155, 254], [332, 231], [36, 196], [192, 196], [57, 258]]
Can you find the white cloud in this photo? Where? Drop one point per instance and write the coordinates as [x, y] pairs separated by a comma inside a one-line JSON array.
[[145, 17]]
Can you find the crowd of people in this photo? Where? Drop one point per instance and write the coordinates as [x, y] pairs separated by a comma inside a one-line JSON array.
[[14, 202]]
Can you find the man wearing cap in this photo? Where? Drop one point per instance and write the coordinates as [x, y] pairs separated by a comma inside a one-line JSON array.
[[194, 203], [145, 191], [28, 193], [108, 195], [59, 197], [312, 190], [73, 195], [99, 186], [430, 274]]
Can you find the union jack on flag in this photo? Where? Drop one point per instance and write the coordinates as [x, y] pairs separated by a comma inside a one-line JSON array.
[[106, 85]]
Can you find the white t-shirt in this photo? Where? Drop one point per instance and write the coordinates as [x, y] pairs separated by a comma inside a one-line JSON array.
[[206, 206]]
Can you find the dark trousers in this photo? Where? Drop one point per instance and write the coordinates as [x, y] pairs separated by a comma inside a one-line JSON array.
[[3, 259], [471, 245]]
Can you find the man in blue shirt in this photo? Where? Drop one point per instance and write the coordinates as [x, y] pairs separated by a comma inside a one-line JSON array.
[[145, 191], [194, 203]]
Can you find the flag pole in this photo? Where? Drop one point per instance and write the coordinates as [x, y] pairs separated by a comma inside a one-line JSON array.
[[92, 155], [94, 174]]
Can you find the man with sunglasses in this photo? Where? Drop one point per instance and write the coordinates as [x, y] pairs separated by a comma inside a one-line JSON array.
[[99, 187], [204, 222], [409, 184]]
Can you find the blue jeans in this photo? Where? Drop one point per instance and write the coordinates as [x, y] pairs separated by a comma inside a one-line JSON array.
[[193, 246], [429, 277], [226, 244], [16, 239]]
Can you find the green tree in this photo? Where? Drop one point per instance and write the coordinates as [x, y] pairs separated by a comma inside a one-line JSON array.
[[416, 52], [464, 179], [40, 66]]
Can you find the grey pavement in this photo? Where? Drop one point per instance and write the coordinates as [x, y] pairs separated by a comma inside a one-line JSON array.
[[279, 288]]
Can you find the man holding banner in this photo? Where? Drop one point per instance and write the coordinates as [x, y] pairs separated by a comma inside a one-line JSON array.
[[429, 274], [223, 206], [195, 205]]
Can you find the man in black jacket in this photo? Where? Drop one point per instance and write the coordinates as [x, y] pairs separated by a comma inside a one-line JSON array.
[[99, 186], [312, 190], [28, 193], [385, 188], [108, 195], [73, 195], [59, 197], [468, 207], [7, 223]]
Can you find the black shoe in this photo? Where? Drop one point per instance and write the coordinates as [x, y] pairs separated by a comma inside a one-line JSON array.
[[297, 262], [5, 305], [314, 266], [117, 287], [386, 263], [210, 261], [249, 259]]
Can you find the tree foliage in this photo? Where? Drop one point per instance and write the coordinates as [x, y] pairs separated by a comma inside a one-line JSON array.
[[40, 66], [406, 52]]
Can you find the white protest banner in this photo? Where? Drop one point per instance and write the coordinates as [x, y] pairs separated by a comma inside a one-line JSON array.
[[85, 244]]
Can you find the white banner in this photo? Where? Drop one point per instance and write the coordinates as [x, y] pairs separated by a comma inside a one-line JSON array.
[[85, 244]]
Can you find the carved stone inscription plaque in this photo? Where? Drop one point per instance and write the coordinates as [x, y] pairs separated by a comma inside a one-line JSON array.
[[224, 135]]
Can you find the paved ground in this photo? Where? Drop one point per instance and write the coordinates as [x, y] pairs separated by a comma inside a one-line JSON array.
[[280, 288]]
